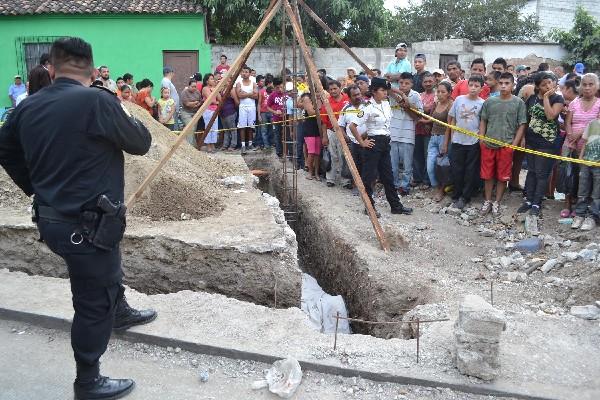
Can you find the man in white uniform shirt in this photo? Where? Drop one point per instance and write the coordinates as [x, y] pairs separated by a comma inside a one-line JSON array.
[[349, 115], [377, 115]]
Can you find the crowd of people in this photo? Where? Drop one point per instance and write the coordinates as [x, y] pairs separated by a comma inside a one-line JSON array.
[[547, 111]]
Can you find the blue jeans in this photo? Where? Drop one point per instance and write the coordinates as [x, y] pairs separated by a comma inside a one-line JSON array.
[[420, 159], [402, 152], [433, 150], [265, 131]]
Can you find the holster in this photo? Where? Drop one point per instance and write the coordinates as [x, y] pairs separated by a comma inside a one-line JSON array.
[[110, 227]]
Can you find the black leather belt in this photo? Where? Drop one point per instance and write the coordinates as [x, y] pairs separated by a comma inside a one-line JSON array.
[[53, 215]]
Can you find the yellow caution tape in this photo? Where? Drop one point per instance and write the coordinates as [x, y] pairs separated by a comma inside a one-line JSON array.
[[504, 144], [453, 127]]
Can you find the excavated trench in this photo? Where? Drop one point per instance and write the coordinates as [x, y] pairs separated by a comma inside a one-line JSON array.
[[324, 253]]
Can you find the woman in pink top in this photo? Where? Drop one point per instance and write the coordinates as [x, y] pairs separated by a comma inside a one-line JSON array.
[[582, 111], [211, 137]]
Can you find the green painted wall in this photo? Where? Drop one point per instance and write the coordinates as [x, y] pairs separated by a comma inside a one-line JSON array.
[[126, 43]]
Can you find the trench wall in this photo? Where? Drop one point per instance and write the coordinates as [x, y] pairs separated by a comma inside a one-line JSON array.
[[162, 265], [338, 266]]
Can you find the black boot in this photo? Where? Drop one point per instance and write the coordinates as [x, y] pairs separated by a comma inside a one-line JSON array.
[[103, 388], [402, 210], [126, 317], [90, 385]]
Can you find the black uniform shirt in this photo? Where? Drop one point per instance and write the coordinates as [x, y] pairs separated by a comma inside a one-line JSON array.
[[66, 143]]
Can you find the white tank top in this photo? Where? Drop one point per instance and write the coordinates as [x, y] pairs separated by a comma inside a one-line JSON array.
[[247, 102]]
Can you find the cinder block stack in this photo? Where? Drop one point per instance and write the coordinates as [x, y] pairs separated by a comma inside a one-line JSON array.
[[477, 331]]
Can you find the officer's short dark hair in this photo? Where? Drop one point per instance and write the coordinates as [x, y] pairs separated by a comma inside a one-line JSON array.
[[127, 76], [72, 54], [507, 75], [333, 82], [44, 58], [406, 75], [477, 78]]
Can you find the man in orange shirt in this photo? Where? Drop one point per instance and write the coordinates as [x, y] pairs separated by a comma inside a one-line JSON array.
[[462, 87], [338, 101]]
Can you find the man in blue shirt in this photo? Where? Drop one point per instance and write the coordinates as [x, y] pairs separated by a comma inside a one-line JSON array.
[[16, 89], [398, 66]]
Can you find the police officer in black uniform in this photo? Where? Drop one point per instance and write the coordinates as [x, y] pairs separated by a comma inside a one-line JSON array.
[[65, 146]]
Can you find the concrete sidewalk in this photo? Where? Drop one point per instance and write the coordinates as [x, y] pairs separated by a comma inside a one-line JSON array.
[[216, 325], [37, 364]]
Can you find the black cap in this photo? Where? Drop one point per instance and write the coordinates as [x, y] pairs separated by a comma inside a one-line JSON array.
[[377, 83]]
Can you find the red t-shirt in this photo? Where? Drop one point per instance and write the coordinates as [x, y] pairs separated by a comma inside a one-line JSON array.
[[141, 100], [336, 106], [462, 88], [199, 86], [220, 68]]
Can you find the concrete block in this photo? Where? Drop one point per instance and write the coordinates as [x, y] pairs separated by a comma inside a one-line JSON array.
[[477, 338]]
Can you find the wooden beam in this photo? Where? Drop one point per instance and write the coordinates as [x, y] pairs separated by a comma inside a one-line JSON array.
[[189, 128], [231, 73], [341, 136]]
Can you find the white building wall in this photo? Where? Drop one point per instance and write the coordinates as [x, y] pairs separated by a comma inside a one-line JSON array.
[[559, 14]]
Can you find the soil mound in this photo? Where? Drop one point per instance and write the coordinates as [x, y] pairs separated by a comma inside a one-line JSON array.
[[187, 184]]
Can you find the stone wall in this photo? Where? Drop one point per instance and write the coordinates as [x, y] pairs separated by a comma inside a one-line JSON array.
[[335, 60], [268, 59], [559, 13]]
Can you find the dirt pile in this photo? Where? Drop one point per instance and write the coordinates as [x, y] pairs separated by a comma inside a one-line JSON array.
[[187, 185]]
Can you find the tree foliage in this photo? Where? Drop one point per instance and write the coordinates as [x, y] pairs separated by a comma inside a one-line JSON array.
[[582, 41], [476, 20], [358, 22]]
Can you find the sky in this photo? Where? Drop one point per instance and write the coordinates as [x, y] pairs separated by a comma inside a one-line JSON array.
[[391, 4]]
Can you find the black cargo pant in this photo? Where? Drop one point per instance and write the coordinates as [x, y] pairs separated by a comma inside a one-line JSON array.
[[377, 161], [464, 164], [95, 277]]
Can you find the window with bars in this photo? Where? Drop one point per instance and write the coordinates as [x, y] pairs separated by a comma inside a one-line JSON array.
[[29, 49]]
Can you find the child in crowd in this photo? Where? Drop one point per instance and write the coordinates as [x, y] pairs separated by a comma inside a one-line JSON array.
[[491, 80], [126, 94], [589, 180], [276, 106], [464, 158], [543, 134], [502, 118], [402, 129], [166, 108]]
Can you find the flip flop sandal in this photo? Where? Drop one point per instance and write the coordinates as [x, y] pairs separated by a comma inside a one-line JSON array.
[[565, 213]]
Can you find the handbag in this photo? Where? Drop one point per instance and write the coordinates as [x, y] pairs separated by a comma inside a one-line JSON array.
[[325, 160], [443, 172]]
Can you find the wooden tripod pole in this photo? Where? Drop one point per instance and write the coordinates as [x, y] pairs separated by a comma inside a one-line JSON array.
[[339, 41], [310, 65], [189, 128], [231, 74], [309, 78]]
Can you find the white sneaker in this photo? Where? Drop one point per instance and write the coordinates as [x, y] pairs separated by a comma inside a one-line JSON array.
[[577, 223], [486, 207], [588, 224], [495, 209]]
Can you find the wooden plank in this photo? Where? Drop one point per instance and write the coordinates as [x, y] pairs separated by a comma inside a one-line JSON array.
[[310, 65], [189, 128]]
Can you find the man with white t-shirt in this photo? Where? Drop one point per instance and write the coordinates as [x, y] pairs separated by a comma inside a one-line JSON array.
[[247, 92]]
